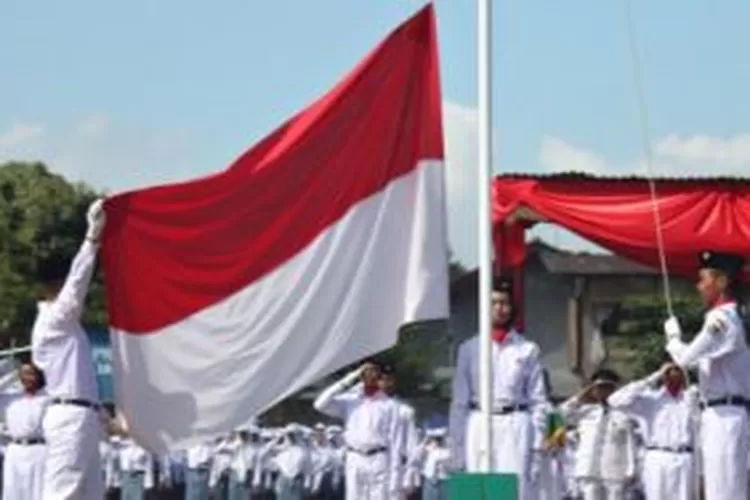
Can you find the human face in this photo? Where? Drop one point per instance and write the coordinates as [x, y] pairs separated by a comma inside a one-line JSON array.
[[502, 309], [388, 384], [371, 375], [29, 377], [711, 286], [600, 392], [674, 377]]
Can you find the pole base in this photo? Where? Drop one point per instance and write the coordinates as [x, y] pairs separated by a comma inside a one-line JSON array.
[[483, 486]]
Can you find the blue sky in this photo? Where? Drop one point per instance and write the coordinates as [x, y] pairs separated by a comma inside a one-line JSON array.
[[130, 94]]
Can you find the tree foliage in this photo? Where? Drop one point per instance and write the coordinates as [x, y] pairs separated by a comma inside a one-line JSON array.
[[40, 214], [640, 330]]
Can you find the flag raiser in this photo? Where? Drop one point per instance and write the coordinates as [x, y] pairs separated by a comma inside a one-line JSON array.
[[229, 293]]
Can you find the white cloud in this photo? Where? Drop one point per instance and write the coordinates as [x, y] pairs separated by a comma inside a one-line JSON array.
[[556, 155], [101, 152], [20, 139], [460, 131], [704, 149]]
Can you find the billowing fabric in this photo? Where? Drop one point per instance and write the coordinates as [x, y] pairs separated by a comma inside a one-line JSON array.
[[229, 293], [618, 215]]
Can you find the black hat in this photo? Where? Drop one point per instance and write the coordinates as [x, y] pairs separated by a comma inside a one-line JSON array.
[[605, 376], [502, 284], [386, 369], [727, 263]]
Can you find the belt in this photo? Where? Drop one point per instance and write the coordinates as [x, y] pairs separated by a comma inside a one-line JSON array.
[[502, 410], [27, 441], [725, 401], [83, 403], [678, 449], [370, 452]]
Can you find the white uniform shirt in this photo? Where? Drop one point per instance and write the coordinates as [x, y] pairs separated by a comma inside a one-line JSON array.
[[133, 458], [321, 458], [199, 456], [59, 345], [436, 462], [221, 463], [371, 422], [668, 421], [109, 451], [606, 445], [293, 461], [720, 353], [24, 414], [245, 458]]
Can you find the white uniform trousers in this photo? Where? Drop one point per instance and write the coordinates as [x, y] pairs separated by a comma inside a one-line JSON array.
[[551, 483], [72, 470], [367, 476], [23, 471], [724, 453], [512, 436], [668, 475], [598, 489]]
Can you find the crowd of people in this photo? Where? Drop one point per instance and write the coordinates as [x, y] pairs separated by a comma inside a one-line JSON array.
[[655, 437]]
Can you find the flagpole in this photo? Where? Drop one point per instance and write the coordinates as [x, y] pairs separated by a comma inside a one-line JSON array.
[[484, 91]]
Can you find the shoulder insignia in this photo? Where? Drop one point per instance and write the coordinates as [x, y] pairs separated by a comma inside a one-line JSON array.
[[718, 326]]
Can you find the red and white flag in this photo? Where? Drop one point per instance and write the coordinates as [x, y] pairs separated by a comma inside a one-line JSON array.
[[229, 293]]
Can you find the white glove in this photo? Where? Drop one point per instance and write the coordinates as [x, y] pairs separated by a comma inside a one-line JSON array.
[[96, 219], [672, 328]]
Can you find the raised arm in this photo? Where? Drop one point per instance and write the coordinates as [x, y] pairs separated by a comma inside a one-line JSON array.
[[333, 400], [718, 337], [72, 296], [634, 397]]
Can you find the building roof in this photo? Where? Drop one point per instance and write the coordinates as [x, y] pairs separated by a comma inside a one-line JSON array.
[[582, 176], [588, 264], [562, 262]]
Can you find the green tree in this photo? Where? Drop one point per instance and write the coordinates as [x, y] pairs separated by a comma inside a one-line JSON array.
[[40, 213], [640, 330]]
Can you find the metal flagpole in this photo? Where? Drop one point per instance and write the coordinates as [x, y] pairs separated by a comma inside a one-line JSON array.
[[484, 90]]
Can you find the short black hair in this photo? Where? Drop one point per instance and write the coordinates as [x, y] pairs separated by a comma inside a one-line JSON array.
[[52, 269], [605, 375], [726, 263]]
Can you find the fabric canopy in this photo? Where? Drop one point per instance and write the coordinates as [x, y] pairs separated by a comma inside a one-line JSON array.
[[618, 214]]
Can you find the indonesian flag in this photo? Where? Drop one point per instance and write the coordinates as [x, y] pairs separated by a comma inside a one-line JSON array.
[[229, 293]]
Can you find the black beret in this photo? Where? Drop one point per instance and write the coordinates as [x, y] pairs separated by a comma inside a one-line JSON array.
[[502, 284], [605, 375], [729, 264]]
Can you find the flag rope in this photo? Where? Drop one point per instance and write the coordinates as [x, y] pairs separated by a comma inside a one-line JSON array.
[[647, 150], [648, 154]]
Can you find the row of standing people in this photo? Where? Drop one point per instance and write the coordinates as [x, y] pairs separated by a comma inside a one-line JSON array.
[[291, 463], [520, 407]]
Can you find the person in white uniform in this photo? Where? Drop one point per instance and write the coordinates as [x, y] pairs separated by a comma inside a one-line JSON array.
[[198, 466], [371, 433], [23, 467], [136, 465], [668, 416], [407, 479], [720, 353], [109, 450], [519, 400], [60, 348], [435, 462], [322, 456], [605, 464]]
